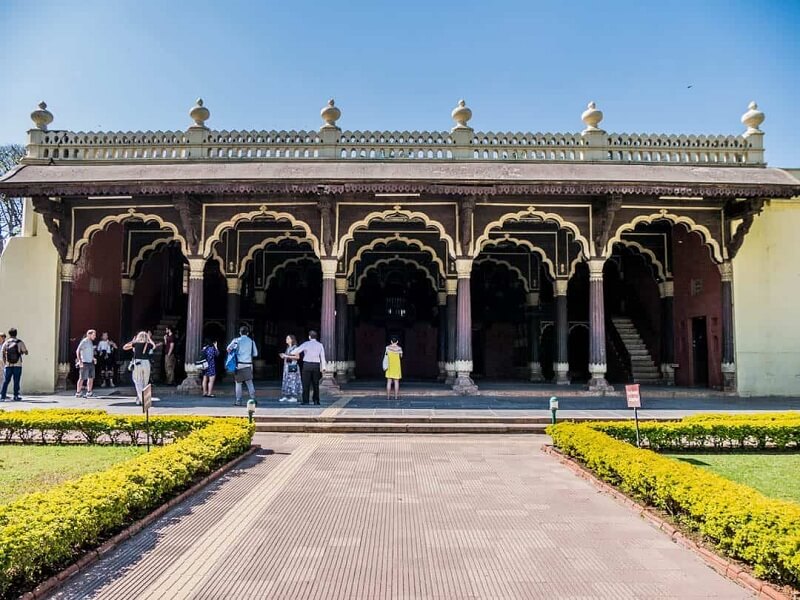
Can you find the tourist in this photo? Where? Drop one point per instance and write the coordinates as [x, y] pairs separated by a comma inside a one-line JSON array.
[[291, 384], [105, 360], [170, 359], [209, 352], [142, 346], [392, 367], [85, 361], [245, 349], [313, 365], [2, 364], [12, 351]]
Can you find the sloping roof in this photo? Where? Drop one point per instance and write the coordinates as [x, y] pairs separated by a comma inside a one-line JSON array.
[[456, 177]]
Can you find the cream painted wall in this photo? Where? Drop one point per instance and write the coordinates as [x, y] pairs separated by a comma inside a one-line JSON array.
[[29, 289], [766, 293]]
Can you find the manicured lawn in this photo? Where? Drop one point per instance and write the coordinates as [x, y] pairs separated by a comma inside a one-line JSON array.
[[25, 469], [772, 474]]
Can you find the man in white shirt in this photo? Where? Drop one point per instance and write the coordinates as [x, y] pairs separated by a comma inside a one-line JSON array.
[[313, 364]]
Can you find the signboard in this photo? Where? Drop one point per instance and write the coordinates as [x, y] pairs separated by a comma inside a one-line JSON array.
[[147, 398], [632, 395]]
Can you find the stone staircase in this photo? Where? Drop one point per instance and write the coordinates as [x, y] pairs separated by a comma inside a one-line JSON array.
[[157, 364], [643, 370]]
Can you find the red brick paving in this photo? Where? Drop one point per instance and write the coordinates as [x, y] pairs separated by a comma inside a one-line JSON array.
[[358, 516]]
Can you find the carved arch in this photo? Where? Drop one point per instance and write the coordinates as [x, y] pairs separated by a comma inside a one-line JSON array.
[[551, 268], [289, 261], [377, 216], [713, 245], [396, 238], [645, 253], [145, 252], [408, 261], [508, 265], [263, 244], [586, 246], [252, 216], [75, 252]]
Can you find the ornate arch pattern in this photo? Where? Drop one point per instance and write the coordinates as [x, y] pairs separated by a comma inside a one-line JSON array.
[[508, 265], [294, 260], [396, 238], [383, 261], [145, 252], [252, 216], [713, 245], [586, 246], [74, 253], [551, 268], [262, 246], [645, 253], [341, 244]]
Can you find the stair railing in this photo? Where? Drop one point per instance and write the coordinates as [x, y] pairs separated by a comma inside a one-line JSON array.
[[619, 349]]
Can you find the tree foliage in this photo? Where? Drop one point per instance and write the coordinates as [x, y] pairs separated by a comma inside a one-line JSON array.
[[10, 208]]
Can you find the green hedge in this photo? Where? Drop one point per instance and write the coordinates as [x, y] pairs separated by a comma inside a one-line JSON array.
[[45, 531], [778, 433], [749, 417], [92, 426], [743, 523]]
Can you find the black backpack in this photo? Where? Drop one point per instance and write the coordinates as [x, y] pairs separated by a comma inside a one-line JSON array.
[[12, 352]]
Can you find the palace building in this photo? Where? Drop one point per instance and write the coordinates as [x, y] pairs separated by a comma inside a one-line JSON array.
[[590, 258]]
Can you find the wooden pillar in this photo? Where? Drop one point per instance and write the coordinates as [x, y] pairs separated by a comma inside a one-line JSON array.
[[351, 335], [463, 383], [533, 317], [451, 309], [127, 286], [562, 332], [65, 310], [342, 324], [259, 323], [598, 361], [194, 325], [328, 321], [666, 291], [441, 346], [728, 351], [233, 306]]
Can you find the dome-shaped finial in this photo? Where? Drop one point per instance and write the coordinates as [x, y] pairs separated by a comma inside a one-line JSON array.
[[330, 114], [592, 117], [461, 115], [42, 117], [752, 118], [199, 114]]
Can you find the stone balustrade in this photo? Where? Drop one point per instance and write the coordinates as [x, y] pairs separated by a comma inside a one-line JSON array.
[[460, 143]]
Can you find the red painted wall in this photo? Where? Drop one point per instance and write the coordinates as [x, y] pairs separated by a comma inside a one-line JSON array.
[[691, 260], [499, 342], [96, 289], [147, 309]]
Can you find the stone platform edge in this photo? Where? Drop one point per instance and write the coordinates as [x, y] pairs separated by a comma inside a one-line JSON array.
[[725, 567], [92, 556]]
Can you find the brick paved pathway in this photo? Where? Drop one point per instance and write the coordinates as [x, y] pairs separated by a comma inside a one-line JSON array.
[[373, 517]]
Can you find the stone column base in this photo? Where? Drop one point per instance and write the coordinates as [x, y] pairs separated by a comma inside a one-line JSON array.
[[535, 370], [328, 382], [442, 376], [450, 373], [351, 370], [668, 374], [340, 368], [63, 374], [728, 377], [562, 373], [598, 381], [463, 383], [191, 385]]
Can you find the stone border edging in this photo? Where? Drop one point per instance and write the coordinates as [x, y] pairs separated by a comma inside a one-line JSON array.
[[721, 565], [92, 556]]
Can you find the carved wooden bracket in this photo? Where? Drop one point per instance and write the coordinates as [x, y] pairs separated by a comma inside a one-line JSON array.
[[57, 218], [190, 210], [603, 212], [325, 208], [467, 210], [746, 210]]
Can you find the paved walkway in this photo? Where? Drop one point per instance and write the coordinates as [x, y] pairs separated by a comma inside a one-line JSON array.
[[372, 517], [343, 407]]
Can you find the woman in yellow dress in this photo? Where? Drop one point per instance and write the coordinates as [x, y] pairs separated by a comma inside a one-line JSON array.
[[394, 371]]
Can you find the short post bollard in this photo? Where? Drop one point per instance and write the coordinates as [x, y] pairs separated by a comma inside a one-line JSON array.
[[553, 409], [251, 410]]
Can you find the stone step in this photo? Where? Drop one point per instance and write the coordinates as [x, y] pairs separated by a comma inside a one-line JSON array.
[[472, 420], [400, 427]]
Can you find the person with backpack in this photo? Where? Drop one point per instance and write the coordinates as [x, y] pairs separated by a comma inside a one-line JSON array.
[[242, 350], [86, 361], [2, 364], [12, 351]]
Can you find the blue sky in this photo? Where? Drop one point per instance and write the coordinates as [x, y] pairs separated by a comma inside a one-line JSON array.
[[521, 65]]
